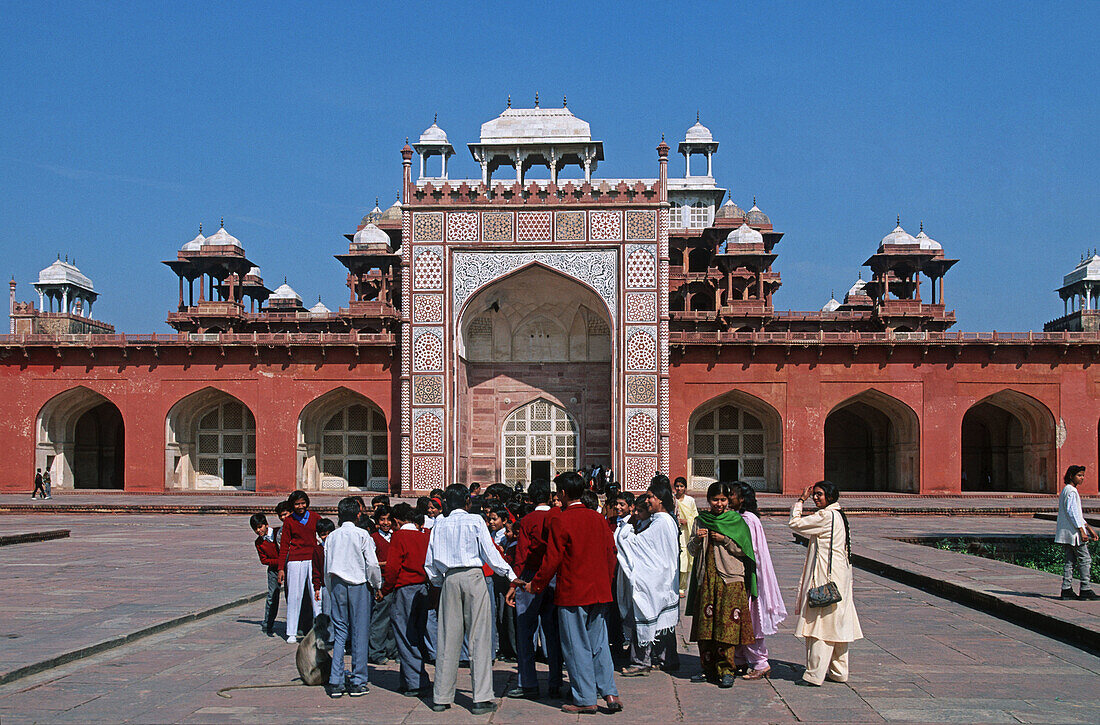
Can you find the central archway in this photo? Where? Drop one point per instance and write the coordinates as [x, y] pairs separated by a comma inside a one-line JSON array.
[[534, 335]]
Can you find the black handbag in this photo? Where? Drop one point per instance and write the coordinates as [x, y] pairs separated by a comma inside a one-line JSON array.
[[827, 593]]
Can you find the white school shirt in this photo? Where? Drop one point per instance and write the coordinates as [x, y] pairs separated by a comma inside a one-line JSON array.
[[1070, 517], [461, 540], [350, 555]]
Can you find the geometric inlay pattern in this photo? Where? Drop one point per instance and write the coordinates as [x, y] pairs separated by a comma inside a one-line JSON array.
[[428, 226], [641, 268], [427, 472], [641, 351], [641, 226], [570, 226], [640, 390], [641, 433], [462, 226], [427, 308], [596, 268], [533, 226], [496, 226], [428, 270], [605, 226], [427, 390], [640, 307], [428, 433], [639, 473], [427, 352]]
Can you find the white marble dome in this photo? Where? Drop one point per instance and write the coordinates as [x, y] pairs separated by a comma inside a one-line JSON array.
[[285, 292], [744, 234], [434, 135], [927, 242], [898, 236], [222, 238], [859, 289], [698, 134], [194, 245], [371, 234], [757, 217], [319, 309], [831, 306], [65, 273], [730, 210]]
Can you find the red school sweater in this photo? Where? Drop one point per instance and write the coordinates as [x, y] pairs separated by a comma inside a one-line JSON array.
[[269, 552], [405, 559], [298, 539]]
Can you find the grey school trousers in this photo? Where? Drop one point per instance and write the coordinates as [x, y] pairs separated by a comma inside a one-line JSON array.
[[464, 609], [1080, 556]]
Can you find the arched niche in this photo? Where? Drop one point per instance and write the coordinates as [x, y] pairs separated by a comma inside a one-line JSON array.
[[1008, 444], [210, 443], [736, 436], [540, 440], [343, 443], [872, 443], [80, 440]]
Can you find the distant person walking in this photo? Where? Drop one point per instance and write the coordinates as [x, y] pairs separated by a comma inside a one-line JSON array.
[[46, 482], [1074, 534], [827, 629], [38, 484]]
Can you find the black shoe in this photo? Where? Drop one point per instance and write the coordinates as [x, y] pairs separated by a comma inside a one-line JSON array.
[[334, 691], [726, 681], [358, 690], [523, 693], [1068, 594], [480, 708], [439, 706], [1087, 594], [614, 704], [701, 677], [807, 683], [670, 668]]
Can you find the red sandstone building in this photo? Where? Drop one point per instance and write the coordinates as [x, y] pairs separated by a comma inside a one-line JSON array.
[[506, 328]]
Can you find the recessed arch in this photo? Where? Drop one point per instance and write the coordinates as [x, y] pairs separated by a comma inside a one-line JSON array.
[[1008, 444], [736, 436], [539, 439], [872, 443], [80, 439], [343, 443], [210, 443]]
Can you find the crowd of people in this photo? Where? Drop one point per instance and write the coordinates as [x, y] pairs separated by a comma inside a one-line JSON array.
[[586, 577]]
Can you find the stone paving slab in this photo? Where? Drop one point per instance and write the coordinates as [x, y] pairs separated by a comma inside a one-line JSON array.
[[924, 659]]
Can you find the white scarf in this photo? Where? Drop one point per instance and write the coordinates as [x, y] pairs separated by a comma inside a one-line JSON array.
[[649, 563]]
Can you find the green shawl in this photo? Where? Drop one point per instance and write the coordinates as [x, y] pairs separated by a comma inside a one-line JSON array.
[[731, 525]]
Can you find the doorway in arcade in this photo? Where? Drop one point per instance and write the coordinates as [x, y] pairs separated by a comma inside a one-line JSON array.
[[534, 379]]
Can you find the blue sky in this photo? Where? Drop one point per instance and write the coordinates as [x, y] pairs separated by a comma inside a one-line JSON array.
[[125, 125]]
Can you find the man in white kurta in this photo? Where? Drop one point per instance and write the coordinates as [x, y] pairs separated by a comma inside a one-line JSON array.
[[827, 630]]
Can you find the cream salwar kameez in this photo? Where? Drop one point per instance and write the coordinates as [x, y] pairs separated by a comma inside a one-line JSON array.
[[827, 630], [686, 513]]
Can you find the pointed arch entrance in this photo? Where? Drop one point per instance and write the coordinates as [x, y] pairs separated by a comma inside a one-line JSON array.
[[872, 443], [343, 443], [1008, 444], [736, 436], [539, 442], [80, 440], [210, 443], [543, 339]]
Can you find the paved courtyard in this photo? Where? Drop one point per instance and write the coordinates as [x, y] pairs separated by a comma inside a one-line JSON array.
[[924, 658]]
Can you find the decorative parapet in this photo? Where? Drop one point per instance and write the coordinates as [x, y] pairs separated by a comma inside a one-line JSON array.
[[622, 192]]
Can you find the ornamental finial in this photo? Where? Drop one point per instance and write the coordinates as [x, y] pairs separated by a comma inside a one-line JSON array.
[[536, 99]]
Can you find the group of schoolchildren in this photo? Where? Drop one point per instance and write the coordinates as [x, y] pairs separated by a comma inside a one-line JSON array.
[[378, 571]]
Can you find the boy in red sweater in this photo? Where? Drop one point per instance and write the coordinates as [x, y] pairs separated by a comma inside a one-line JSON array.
[[299, 539], [268, 550], [383, 646], [406, 583]]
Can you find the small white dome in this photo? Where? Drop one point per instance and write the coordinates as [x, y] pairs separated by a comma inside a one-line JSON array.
[[744, 234], [757, 217], [194, 245], [831, 306], [698, 134], [285, 292], [319, 308], [64, 273], [433, 134], [371, 234], [730, 210], [927, 242], [393, 213], [898, 236], [255, 272], [859, 289], [222, 238]]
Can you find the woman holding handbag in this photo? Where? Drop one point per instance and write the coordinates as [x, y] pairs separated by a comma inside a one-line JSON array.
[[826, 614]]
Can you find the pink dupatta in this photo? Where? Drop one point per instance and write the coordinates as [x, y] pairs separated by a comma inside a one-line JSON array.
[[767, 607]]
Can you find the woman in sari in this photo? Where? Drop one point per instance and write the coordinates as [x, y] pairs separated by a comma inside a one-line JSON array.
[[686, 511], [767, 606], [722, 580], [827, 630]]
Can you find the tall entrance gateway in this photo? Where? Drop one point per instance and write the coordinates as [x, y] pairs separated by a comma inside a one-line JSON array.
[[536, 339]]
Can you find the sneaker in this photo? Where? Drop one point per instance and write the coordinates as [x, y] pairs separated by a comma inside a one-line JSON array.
[[358, 690], [334, 691], [480, 708], [1067, 594], [1087, 594], [292, 639], [524, 693]]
